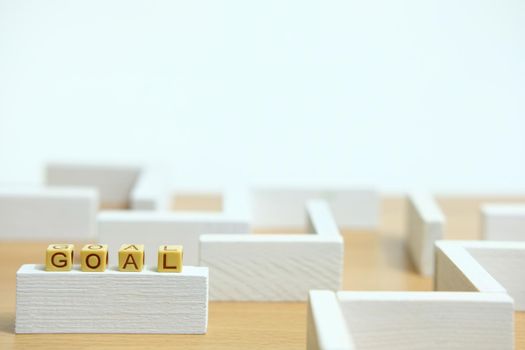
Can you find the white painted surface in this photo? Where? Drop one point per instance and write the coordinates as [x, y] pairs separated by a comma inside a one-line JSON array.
[[276, 267], [428, 320], [485, 266], [153, 228], [271, 267], [425, 226], [111, 301], [503, 222], [283, 207], [326, 326], [114, 182], [44, 213]]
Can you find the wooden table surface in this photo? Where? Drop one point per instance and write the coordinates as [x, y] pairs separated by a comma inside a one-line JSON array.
[[373, 261]]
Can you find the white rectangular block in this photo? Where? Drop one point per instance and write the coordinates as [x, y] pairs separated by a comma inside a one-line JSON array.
[[425, 226], [484, 266], [114, 182], [503, 222], [43, 213], [428, 320], [320, 219], [150, 191], [284, 207], [154, 228], [271, 267], [326, 325], [111, 301]]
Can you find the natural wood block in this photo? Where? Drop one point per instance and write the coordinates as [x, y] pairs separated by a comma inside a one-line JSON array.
[[111, 301], [170, 258], [59, 257], [131, 257], [94, 257]]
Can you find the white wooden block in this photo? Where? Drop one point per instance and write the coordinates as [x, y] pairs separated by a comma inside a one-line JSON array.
[[150, 192], [154, 228], [503, 222], [277, 267], [425, 226], [111, 301], [43, 213], [428, 320], [320, 218], [484, 266], [326, 325], [284, 207], [114, 182]]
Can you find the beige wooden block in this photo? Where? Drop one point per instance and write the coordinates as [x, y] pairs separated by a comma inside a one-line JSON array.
[[131, 257], [59, 257], [170, 258], [94, 258]]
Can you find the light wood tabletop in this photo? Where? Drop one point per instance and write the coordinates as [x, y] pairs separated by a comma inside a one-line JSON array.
[[373, 261]]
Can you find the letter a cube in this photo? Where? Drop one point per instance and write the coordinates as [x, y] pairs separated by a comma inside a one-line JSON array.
[[131, 257], [59, 257]]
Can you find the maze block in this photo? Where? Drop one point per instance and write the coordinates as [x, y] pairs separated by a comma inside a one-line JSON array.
[[283, 207], [59, 257], [495, 267], [282, 267], [43, 213], [410, 321], [154, 228], [503, 222], [88, 302], [425, 226]]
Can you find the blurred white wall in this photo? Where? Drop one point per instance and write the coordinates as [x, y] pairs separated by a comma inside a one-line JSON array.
[[397, 94]]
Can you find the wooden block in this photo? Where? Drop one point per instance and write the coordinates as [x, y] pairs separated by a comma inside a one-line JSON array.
[[113, 182], [277, 267], [320, 219], [482, 266], [428, 320], [131, 257], [111, 301], [150, 192], [155, 228], [326, 326], [503, 222], [59, 257], [94, 257], [170, 258], [48, 214], [425, 226], [283, 207]]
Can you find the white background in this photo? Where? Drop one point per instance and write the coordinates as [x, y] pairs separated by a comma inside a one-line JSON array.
[[397, 94]]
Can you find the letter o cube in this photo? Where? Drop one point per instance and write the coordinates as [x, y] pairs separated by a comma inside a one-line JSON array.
[[59, 257], [131, 257], [94, 257], [170, 258]]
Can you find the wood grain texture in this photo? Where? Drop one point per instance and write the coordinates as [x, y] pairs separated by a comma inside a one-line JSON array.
[[111, 301], [372, 262]]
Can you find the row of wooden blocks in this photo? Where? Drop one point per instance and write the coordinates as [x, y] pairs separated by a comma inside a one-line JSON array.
[[95, 258]]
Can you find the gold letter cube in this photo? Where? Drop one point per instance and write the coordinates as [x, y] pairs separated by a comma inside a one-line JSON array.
[[94, 257], [170, 258], [59, 257], [131, 257]]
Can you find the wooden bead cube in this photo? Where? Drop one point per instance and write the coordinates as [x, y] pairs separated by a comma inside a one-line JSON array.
[[94, 257], [170, 258], [59, 257], [131, 257]]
